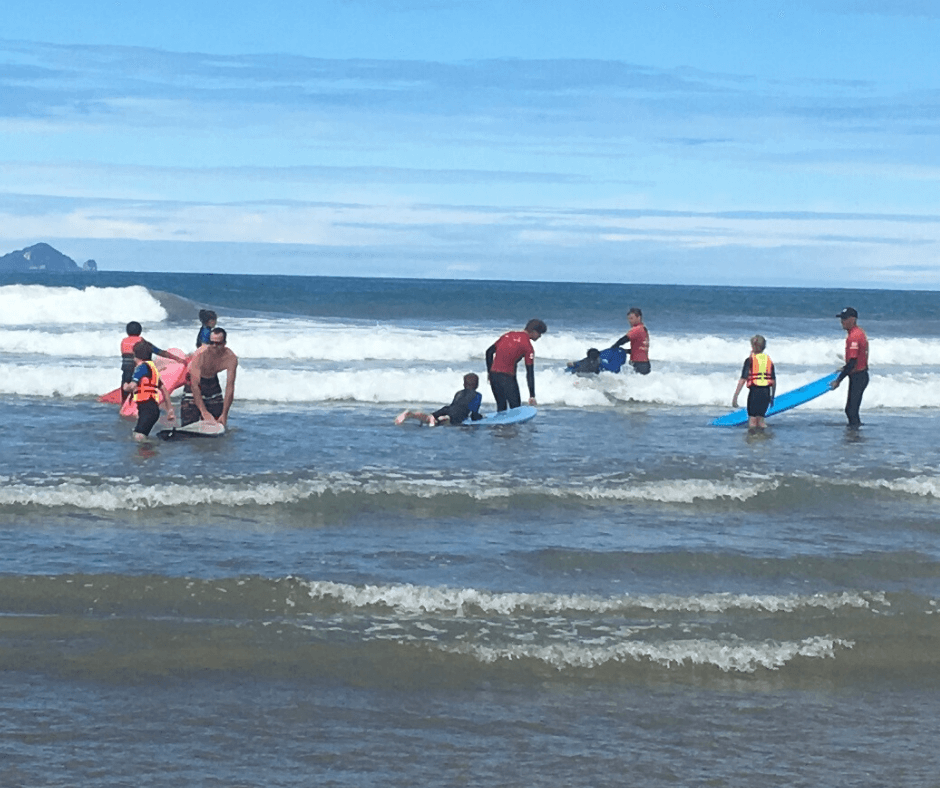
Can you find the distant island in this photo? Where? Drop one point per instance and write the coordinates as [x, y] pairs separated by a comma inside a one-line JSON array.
[[42, 257]]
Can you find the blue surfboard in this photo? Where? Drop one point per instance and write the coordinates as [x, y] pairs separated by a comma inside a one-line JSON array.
[[612, 359], [512, 416], [782, 402]]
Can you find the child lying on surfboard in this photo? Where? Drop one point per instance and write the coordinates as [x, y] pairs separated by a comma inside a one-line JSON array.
[[466, 403]]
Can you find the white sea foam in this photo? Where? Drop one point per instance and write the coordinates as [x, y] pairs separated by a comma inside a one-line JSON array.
[[120, 495], [427, 386], [36, 305], [410, 599], [732, 656]]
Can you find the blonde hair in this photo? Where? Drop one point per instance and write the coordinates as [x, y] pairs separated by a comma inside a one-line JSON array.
[[758, 342]]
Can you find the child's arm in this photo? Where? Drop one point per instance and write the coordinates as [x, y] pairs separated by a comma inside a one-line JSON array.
[[164, 392]]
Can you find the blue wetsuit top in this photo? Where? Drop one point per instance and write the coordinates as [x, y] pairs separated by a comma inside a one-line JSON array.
[[142, 371], [203, 337]]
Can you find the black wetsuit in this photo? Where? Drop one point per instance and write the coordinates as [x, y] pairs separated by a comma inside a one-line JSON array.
[[466, 403]]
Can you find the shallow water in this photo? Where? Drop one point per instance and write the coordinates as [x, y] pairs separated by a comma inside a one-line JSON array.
[[615, 593]]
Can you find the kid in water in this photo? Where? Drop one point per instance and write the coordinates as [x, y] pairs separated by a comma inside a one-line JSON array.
[[466, 403], [208, 318], [759, 376], [128, 364], [143, 386]]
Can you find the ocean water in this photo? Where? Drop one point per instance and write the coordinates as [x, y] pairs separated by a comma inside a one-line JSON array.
[[613, 594]]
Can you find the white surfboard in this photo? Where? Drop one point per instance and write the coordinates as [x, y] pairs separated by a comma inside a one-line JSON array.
[[198, 429]]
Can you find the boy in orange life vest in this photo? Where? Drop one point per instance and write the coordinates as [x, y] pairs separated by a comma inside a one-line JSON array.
[[143, 386], [128, 363], [761, 379], [856, 365]]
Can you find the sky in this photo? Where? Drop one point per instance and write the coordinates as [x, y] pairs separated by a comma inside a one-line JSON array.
[[766, 142]]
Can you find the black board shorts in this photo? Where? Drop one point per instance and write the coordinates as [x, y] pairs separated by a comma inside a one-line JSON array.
[[148, 412], [211, 398], [758, 400]]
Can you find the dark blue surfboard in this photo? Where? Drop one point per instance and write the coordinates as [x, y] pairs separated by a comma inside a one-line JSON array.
[[512, 416], [612, 359], [782, 402]]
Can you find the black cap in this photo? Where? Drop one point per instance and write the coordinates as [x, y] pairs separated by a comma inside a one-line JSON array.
[[847, 312]]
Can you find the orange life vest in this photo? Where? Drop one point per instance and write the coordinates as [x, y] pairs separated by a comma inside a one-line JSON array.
[[762, 370], [147, 388], [127, 347]]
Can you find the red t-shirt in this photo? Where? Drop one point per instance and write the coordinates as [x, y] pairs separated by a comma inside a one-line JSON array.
[[639, 343], [856, 346], [510, 348]]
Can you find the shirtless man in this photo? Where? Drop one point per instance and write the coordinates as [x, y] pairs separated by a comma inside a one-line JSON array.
[[205, 402]]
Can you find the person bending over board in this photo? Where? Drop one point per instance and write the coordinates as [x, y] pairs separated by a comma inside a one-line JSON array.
[[204, 401], [466, 403], [856, 365], [502, 358], [143, 387], [128, 364], [639, 339], [208, 318], [759, 376]]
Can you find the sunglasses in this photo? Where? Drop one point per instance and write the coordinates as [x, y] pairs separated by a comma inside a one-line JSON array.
[[214, 342]]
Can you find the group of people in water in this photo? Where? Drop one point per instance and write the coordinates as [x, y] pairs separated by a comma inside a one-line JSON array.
[[203, 399], [757, 372], [759, 376], [502, 363]]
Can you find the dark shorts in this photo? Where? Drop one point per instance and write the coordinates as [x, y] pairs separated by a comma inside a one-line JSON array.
[[148, 412], [758, 400], [211, 397], [642, 367], [127, 373]]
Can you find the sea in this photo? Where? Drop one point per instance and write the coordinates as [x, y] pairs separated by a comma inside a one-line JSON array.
[[616, 593]]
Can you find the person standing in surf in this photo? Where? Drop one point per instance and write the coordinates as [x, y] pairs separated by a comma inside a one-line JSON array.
[[856, 365], [129, 363], [204, 401], [759, 376], [144, 386], [639, 339], [208, 318], [502, 358]]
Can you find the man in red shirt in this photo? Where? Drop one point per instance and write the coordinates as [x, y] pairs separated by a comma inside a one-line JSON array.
[[503, 356], [856, 365], [639, 339]]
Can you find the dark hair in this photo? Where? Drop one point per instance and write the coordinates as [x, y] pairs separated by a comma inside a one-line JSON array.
[[205, 315], [536, 325], [221, 331], [593, 353], [143, 350], [133, 329], [471, 380], [635, 310]]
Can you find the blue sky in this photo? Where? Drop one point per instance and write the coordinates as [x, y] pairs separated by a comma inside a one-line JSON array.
[[784, 143]]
